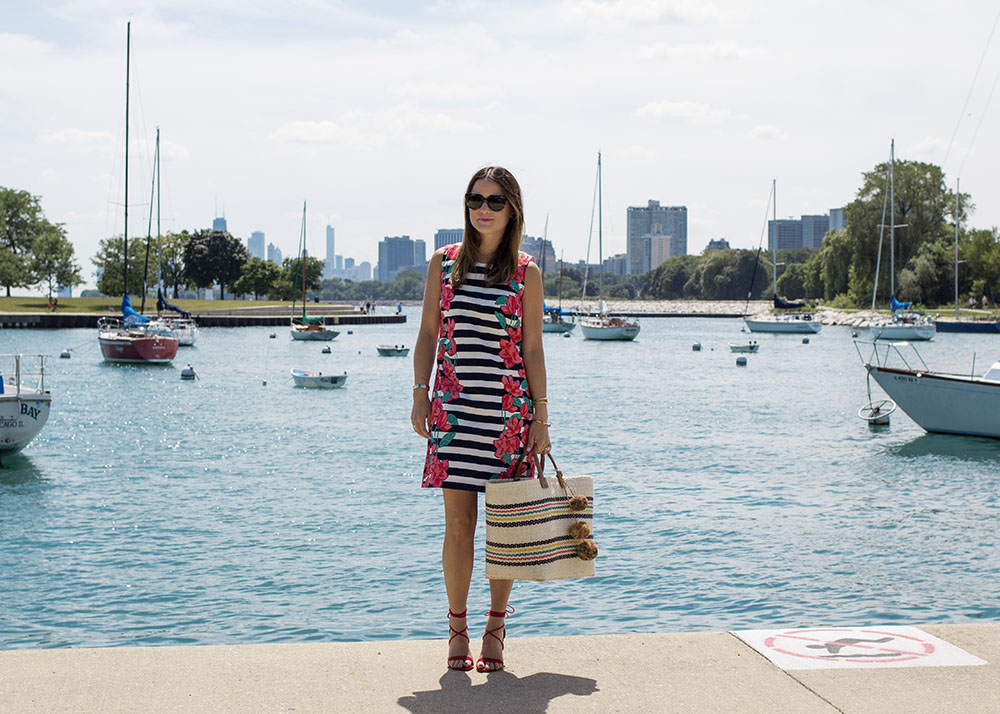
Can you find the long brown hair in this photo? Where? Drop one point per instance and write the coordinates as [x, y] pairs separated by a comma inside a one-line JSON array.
[[504, 261]]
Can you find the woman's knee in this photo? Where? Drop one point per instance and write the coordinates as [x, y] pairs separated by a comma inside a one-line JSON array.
[[460, 526]]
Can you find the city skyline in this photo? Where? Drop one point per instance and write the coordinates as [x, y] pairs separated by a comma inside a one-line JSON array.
[[371, 115]]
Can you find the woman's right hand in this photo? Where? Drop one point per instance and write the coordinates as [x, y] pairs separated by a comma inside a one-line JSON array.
[[420, 415]]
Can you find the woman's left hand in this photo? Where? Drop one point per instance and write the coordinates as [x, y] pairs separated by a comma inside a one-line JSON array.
[[538, 438]]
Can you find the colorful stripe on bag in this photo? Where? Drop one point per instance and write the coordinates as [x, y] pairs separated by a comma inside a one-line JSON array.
[[522, 554], [517, 514]]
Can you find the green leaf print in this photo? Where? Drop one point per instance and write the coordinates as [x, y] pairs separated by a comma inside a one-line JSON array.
[[452, 419], [502, 300], [501, 319], [447, 438]]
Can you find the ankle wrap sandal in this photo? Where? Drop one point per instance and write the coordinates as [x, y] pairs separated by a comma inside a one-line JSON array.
[[461, 663], [489, 664]]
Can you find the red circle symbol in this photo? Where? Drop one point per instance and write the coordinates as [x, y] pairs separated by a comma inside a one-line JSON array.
[[849, 645]]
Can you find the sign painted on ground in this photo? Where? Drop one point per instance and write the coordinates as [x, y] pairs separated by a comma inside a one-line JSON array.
[[845, 647]]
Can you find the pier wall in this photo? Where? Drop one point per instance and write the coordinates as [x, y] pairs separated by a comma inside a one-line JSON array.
[[56, 320]]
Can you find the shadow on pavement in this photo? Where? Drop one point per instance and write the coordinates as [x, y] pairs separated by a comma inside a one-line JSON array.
[[501, 691]]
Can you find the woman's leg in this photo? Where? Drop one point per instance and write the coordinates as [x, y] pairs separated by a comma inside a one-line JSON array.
[[492, 647], [460, 508]]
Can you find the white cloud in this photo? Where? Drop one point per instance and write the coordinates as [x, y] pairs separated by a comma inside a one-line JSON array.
[[702, 51], [371, 129], [767, 131], [604, 12], [932, 145], [692, 112], [433, 91], [77, 138], [642, 153]]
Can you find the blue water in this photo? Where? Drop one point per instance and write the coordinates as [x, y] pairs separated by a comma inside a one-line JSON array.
[[154, 511]]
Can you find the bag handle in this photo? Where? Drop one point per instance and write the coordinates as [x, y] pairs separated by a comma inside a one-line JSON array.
[[559, 473]]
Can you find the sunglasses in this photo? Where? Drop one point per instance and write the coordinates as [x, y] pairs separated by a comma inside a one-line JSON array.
[[496, 202]]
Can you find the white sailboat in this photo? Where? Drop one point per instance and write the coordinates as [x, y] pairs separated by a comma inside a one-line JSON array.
[[796, 323], [904, 324], [939, 402], [554, 320], [24, 407], [603, 326], [306, 327]]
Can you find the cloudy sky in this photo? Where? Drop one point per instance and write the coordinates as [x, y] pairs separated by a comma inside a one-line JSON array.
[[377, 112]]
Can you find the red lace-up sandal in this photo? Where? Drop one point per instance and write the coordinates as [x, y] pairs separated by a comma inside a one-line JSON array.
[[489, 664], [459, 662]]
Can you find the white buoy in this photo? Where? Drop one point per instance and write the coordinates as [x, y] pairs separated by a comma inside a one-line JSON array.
[[65, 354], [741, 361], [326, 350], [696, 347], [188, 373]]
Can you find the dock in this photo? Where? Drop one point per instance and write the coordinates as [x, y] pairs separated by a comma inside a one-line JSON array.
[[705, 673]]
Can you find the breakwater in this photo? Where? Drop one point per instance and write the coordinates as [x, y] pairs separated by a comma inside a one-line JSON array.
[[57, 320]]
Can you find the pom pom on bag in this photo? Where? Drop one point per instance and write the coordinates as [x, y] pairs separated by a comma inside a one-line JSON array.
[[532, 530]]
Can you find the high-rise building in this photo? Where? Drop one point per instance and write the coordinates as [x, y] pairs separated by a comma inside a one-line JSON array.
[[533, 247], [274, 254], [419, 253], [394, 253], [339, 267], [330, 264], [447, 236], [786, 231], [219, 224], [837, 221], [813, 230], [655, 231], [255, 245]]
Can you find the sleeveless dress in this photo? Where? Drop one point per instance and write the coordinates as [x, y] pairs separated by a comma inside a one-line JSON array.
[[481, 406]]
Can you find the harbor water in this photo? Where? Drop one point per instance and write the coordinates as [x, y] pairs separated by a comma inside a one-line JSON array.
[[156, 511]]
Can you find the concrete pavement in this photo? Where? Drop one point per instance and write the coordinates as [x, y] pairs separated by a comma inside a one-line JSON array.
[[701, 672]]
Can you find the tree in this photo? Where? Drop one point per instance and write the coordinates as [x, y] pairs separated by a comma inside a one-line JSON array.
[[172, 260], [52, 263], [20, 218], [666, 282], [108, 261], [258, 278], [313, 274], [214, 257], [922, 205]]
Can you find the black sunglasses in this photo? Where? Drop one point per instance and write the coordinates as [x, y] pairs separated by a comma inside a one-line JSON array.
[[496, 202]]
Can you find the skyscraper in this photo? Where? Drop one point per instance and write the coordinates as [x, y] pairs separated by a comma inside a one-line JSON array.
[[394, 252], [813, 230], [219, 224], [447, 236], [655, 231], [786, 231], [255, 245], [330, 264], [274, 254]]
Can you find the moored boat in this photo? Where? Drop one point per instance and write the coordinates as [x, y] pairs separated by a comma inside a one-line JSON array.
[[24, 401], [318, 380], [136, 344], [939, 402], [752, 346], [393, 350]]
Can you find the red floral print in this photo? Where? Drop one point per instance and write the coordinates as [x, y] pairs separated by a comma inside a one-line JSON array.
[[512, 306], [510, 354], [512, 386]]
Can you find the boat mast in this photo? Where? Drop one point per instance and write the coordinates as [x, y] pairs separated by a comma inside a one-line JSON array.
[[562, 259], [600, 241], [892, 222], [159, 254], [957, 219], [128, 47], [545, 235], [774, 244], [302, 260], [149, 225]]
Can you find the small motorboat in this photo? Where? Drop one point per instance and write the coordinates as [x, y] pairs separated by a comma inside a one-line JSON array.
[[318, 380], [393, 350], [752, 346], [24, 400]]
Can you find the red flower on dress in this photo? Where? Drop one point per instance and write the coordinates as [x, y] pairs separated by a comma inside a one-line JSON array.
[[512, 306], [447, 380], [510, 354], [512, 386], [439, 417], [514, 333], [513, 427], [447, 293], [436, 471], [508, 403], [525, 411], [506, 445]]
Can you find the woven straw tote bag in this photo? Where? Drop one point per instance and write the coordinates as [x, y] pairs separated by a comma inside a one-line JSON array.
[[539, 528]]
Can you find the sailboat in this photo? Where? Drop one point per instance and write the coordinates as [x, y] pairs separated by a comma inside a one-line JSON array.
[[795, 323], [603, 326], [305, 327], [904, 324], [24, 406], [183, 326], [130, 338], [554, 320]]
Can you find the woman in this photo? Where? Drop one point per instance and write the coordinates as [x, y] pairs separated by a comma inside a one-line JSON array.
[[482, 320]]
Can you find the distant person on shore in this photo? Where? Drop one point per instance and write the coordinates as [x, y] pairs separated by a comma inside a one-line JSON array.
[[482, 319], [972, 303]]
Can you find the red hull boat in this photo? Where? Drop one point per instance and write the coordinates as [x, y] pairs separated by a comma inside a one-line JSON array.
[[136, 346]]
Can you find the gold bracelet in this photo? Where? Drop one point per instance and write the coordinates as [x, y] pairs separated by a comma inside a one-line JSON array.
[[543, 423], [420, 386], [541, 400]]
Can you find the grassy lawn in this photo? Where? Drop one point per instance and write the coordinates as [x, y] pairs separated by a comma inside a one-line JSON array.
[[40, 304]]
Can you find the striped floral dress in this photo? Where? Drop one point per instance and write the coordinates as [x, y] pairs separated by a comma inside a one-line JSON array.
[[481, 405]]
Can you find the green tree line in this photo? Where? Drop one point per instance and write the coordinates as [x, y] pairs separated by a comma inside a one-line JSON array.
[[34, 252]]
